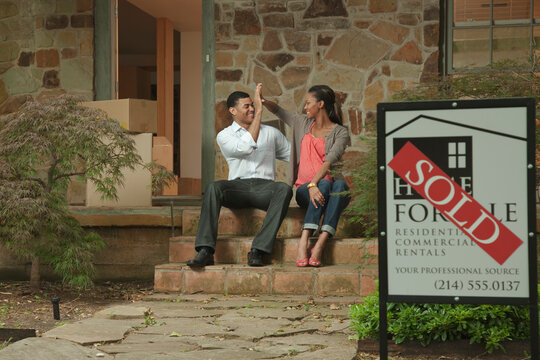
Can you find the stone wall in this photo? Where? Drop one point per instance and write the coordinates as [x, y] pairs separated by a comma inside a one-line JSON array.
[[46, 49], [136, 241], [366, 50], [130, 253]]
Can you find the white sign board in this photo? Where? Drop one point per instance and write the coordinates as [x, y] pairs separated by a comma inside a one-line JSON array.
[[457, 199]]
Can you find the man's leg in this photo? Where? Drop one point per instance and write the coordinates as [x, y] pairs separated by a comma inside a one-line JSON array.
[[205, 241], [274, 197], [228, 193], [208, 221]]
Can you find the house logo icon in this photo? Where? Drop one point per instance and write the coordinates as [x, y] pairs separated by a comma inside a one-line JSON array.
[[453, 155]]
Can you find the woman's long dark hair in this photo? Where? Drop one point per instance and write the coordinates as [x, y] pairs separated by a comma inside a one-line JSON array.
[[326, 94]]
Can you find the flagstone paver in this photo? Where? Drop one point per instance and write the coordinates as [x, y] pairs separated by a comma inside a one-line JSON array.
[[312, 340], [203, 327], [179, 345], [164, 310], [185, 326], [49, 349], [273, 313], [91, 331], [123, 312]]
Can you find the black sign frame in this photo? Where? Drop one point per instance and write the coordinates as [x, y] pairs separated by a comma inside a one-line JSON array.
[[382, 168]]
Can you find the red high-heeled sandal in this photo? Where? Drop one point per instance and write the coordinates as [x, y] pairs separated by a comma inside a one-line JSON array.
[[312, 261], [302, 262]]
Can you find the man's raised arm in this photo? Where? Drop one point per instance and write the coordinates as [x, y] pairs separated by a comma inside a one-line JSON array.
[[255, 126]]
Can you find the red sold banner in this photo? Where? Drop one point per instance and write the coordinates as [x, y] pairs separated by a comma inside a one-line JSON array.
[[454, 203]]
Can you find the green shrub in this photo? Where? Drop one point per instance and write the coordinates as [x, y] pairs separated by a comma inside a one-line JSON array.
[[363, 206], [42, 147], [426, 323]]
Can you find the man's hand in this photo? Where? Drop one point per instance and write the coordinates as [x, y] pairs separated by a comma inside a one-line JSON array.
[[255, 126]]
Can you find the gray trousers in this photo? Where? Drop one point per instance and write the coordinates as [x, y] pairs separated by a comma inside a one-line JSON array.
[[274, 197]]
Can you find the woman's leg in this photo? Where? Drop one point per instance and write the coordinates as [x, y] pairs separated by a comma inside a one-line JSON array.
[[312, 218], [313, 214], [316, 251], [334, 207], [301, 254]]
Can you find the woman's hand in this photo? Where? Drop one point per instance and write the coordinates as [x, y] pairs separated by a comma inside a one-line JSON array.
[[260, 93], [258, 97], [316, 197]]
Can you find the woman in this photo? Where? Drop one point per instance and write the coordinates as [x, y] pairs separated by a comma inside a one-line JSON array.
[[319, 140]]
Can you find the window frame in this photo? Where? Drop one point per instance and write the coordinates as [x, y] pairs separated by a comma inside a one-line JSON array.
[[457, 154], [490, 25]]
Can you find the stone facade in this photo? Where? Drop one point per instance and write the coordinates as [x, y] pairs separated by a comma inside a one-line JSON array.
[[366, 50], [46, 49]]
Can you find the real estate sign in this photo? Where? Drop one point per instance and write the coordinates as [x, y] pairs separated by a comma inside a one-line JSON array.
[[457, 212]]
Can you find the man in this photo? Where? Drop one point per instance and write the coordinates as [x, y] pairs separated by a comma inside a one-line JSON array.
[[250, 149]]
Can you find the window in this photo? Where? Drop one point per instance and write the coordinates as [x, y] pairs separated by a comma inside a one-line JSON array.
[[457, 155], [481, 32]]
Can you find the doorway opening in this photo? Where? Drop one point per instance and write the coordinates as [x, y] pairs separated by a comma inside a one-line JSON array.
[[159, 50]]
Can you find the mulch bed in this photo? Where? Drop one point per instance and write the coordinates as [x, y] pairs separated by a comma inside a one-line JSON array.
[[23, 307], [448, 350]]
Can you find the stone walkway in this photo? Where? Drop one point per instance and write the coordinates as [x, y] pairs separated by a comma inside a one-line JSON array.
[[202, 327]]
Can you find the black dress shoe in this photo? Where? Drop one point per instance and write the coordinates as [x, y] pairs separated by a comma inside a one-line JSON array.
[[255, 258], [204, 257]]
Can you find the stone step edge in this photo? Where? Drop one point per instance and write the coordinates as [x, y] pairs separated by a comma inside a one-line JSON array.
[[197, 209], [247, 222], [332, 280], [155, 216], [203, 300], [246, 238], [234, 250], [345, 268]]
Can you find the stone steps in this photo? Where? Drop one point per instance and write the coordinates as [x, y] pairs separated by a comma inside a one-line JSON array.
[[247, 222], [234, 250], [275, 279], [339, 276]]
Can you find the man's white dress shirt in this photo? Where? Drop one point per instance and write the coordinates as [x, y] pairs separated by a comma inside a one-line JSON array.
[[249, 159]]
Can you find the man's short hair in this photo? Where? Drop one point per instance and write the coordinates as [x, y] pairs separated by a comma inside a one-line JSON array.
[[232, 100]]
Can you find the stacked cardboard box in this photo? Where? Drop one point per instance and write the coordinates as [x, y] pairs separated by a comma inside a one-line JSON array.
[[139, 117]]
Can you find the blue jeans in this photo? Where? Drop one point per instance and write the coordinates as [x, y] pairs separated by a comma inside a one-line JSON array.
[[334, 205]]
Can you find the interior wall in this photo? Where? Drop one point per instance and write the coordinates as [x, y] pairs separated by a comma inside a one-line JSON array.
[[191, 100]]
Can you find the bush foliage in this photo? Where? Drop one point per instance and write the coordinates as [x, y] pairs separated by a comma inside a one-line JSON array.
[[426, 323]]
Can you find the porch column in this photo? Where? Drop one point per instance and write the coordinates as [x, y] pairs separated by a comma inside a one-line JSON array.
[[165, 79], [208, 98]]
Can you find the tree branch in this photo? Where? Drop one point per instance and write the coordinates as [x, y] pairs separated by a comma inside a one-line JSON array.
[[69, 175], [39, 181], [50, 173]]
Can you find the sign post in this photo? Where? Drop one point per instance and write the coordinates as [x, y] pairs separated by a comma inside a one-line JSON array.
[[457, 211]]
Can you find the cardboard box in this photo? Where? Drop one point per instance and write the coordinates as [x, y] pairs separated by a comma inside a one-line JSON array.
[[189, 186], [162, 154], [137, 189], [135, 115]]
